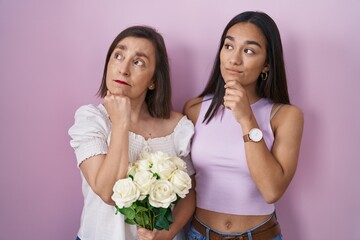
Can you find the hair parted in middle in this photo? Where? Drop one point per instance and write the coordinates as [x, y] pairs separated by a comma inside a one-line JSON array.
[[275, 86]]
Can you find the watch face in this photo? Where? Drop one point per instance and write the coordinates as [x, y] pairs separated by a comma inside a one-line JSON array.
[[255, 134]]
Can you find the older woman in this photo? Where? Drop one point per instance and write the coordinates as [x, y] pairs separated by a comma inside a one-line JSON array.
[[135, 115]]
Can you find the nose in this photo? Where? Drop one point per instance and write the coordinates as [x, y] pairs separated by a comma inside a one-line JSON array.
[[235, 58], [124, 68]]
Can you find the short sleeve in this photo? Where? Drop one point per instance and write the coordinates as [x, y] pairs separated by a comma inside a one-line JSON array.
[[183, 134], [90, 132]]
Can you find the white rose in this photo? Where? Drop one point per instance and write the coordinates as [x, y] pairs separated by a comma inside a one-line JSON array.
[[125, 193], [143, 164], [145, 155], [180, 164], [181, 183], [163, 167], [162, 194], [143, 181], [132, 169], [156, 156]]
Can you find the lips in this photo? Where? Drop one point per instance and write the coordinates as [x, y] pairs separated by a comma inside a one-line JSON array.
[[121, 82], [233, 71]]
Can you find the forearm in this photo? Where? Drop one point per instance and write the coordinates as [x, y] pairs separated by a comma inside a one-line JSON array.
[[272, 171], [182, 213], [115, 164], [266, 171]]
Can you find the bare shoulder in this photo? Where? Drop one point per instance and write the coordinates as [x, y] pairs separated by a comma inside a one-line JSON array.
[[291, 111], [176, 116], [288, 116], [192, 108], [168, 124]]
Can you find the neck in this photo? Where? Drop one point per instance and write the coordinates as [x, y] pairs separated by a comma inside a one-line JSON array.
[[253, 99], [252, 95], [139, 111]]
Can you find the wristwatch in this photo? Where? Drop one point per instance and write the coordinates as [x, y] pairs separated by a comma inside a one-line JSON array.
[[255, 135]]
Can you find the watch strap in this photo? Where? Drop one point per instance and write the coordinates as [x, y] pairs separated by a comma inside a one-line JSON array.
[[246, 138]]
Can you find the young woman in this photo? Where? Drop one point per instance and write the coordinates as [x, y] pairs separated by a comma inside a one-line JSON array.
[[247, 134], [135, 115]]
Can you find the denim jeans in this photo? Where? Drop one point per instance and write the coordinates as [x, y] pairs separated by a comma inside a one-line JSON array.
[[193, 234]]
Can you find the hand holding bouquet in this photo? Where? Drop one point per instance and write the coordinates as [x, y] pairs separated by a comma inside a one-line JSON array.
[[154, 183]]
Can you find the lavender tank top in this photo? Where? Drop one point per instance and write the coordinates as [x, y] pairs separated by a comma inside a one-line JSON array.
[[223, 181]]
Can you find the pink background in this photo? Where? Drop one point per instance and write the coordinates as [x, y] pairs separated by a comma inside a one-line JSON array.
[[51, 62]]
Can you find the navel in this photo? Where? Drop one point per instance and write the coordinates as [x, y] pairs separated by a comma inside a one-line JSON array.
[[228, 225]]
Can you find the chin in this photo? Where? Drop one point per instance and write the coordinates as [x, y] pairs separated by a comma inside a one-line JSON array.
[[119, 92]]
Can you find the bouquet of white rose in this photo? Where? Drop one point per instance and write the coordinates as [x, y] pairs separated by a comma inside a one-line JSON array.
[[154, 183]]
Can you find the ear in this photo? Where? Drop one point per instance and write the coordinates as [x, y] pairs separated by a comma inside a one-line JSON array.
[[266, 68]]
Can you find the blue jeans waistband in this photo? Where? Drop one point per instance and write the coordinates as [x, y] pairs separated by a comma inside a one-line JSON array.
[[270, 226]]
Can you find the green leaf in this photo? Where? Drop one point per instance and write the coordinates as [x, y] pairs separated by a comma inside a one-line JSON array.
[[162, 223], [140, 209], [145, 202], [169, 215], [162, 211], [134, 205], [117, 210], [146, 219], [130, 221], [127, 212], [151, 208], [139, 221]]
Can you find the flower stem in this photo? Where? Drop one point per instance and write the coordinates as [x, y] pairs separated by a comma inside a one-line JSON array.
[[142, 220], [152, 219]]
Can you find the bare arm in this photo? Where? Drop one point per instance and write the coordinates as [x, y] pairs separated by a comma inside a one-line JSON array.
[[192, 109], [183, 211], [273, 170], [102, 171]]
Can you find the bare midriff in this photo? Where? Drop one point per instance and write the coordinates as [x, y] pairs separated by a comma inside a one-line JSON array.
[[229, 223]]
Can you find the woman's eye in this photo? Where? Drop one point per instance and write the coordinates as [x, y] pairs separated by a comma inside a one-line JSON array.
[[228, 46], [139, 62], [118, 56], [249, 51]]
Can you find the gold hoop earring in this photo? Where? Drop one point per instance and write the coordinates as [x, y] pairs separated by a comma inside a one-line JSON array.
[[264, 75]]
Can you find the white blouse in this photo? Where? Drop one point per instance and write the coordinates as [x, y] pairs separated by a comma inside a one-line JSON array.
[[90, 136]]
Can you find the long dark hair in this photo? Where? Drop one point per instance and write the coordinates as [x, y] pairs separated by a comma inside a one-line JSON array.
[[275, 87], [158, 100]]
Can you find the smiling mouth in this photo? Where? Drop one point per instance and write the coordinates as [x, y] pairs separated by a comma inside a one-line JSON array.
[[121, 82]]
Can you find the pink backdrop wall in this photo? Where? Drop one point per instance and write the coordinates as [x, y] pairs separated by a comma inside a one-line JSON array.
[[51, 60]]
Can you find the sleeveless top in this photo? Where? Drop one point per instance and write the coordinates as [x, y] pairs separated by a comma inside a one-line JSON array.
[[90, 136], [223, 180]]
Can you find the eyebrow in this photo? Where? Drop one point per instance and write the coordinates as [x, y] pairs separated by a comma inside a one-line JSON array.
[[139, 54], [248, 42]]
